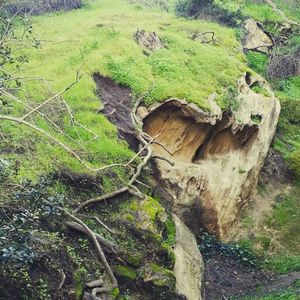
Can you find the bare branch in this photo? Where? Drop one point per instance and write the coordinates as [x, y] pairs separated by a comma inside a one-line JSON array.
[[52, 97]]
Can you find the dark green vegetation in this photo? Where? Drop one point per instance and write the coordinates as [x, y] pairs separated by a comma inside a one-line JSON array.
[[38, 250], [37, 7]]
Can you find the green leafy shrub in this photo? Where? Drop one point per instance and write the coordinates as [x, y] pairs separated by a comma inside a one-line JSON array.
[[35, 204], [257, 62], [210, 246]]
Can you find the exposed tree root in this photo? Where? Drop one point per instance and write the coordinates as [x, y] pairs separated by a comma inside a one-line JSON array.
[[96, 239], [109, 246], [62, 281]]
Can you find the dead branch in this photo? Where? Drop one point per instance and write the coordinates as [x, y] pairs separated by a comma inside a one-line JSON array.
[[95, 283], [10, 96], [283, 66], [125, 188], [148, 138], [203, 34], [53, 97], [49, 136], [101, 198], [142, 183]]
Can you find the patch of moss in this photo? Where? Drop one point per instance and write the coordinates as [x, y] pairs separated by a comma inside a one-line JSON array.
[[163, 277], [134, 260], [79, 284], [261, 90], [144, 215], [125, 272], [114, 293]]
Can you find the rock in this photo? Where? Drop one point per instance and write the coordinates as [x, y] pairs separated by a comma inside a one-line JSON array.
[[256, 38], [148, 40], [217, 157], [189, 265]]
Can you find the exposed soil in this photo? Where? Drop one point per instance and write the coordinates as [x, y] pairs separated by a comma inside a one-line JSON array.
[[275, 169], [116, 100], [226, 277]]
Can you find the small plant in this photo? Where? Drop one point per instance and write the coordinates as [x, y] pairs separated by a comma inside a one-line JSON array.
[[34, 205], [231, 99]]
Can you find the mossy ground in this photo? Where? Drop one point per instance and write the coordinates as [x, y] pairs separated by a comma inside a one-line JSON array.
[[100, 36]]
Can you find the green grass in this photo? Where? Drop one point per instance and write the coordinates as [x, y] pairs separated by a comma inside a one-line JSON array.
[[284, 264], [184, 69], [100, 36], [261, 11], [290, 8], [257, 62], [256, 9]]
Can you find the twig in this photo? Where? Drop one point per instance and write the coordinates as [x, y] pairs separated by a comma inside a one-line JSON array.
[[142, 183], [53, 97]]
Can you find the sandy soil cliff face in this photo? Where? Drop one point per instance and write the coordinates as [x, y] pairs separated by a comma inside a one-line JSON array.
[[217, 156]]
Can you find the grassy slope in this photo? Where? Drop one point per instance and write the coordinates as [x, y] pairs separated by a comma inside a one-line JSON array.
[[102, 35]]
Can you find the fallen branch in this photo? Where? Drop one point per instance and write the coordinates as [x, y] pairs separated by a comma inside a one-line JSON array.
[[203, 34], [52, 97], [49, 136]]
